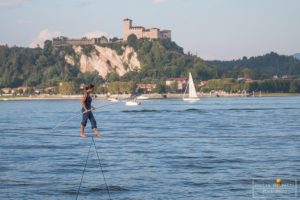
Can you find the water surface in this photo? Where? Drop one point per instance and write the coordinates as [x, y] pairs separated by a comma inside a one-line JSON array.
[[163, 149]]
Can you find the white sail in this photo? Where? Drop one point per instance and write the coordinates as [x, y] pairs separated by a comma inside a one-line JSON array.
[[192, 89]]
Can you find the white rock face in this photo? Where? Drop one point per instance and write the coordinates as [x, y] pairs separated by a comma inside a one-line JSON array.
[[105, 60], [69, 60]]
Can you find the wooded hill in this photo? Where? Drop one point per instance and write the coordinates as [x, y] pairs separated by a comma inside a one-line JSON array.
[[160, 59], [260, 67]]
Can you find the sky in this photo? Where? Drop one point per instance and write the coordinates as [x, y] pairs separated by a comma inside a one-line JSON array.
[[210, 29]]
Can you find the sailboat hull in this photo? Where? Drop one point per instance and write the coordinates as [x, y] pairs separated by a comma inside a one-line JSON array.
[[113, 100], [191, 99], [132, 103]]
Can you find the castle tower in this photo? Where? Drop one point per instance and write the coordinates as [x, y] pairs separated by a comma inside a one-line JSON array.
[[127, 24], [142, 32]]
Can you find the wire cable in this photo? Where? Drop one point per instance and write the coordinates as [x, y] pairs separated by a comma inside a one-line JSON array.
[[101, 169], [84, 170]]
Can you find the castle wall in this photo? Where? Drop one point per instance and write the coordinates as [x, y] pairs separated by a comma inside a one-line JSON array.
[[151, 33], [137, 31], [141, 32], [64, 41], [165, 34]]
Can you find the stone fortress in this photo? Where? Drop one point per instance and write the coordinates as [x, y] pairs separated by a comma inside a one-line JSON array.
[[64, 41], [141, 32], [128, 29]]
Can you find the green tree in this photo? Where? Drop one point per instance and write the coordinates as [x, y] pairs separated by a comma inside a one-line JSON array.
[[112, 77], [20, 91], [247, 73], [47, 48], [131, 76], [295, 86], [114, 39], [67, 88], [101, 90], [113, 87], [132, 40], [160, 88], [173, 87]]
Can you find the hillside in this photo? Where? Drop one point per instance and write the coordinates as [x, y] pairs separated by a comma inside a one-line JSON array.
[[140, 60], [162, 59], [137, 60], [104, 60], [297, 55], [39, 67], [260, 67]]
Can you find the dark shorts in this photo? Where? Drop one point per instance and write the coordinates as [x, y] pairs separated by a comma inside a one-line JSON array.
[[88, 115]]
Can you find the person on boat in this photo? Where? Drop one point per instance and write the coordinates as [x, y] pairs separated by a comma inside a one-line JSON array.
[[87, 112]]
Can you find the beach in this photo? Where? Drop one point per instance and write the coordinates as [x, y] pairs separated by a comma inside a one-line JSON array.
[[150, 96]]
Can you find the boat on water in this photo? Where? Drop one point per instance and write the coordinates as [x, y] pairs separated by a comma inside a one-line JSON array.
[[4, 99], [132, 103], [192, 95], [113, 99], [142, 97]]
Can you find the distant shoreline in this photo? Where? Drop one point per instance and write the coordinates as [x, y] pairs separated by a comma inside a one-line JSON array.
[[127, 96]]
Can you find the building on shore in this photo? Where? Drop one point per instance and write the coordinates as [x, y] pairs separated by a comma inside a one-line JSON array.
[[64, 41], [50, 89], [202, 83], [142, 32], [180, 82], [146, 87], [244, 79], [6, 90]]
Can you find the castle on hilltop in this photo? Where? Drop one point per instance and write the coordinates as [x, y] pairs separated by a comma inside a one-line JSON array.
[[128, 29], [141, 32]]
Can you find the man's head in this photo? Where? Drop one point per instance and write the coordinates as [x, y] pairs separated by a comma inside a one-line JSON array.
[[90, 88]]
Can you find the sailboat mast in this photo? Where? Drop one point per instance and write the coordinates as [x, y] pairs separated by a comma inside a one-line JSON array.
[[187, 85]]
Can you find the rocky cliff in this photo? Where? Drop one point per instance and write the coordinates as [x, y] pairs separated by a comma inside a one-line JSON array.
[[105, 60]]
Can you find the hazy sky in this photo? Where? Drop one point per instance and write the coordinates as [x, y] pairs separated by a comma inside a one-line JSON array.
[[214, 29]]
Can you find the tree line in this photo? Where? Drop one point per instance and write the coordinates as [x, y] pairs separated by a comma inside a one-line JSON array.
[[268, 85], [258, 68], [40, 67], [160, 59]]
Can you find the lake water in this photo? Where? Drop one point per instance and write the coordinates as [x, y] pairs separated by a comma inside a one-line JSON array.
[[163, 149]]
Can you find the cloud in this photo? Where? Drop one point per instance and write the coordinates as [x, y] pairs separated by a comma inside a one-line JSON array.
[[12, 3], [42, 36], [22, 21], [95, 34]]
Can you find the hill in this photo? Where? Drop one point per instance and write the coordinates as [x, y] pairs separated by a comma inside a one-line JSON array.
[[136, 60], [141, 60], [39, 67], [260, 67], [297, 55]]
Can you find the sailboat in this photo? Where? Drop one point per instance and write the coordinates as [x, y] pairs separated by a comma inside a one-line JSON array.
[[192, 90]]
